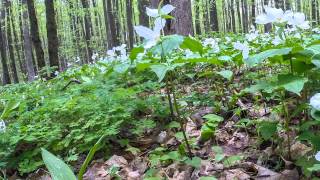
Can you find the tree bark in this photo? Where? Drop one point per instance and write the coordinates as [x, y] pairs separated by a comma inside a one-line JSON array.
[[214, 15], [182, 23], [253, 13], [52, 35], [3, 52], [245, 15], [27, 45], [35, 36], [88, 28], [197, 17], [129, 23], [239, 15], [112, 40], [267, 27], [143, 18], [10, 43], [233, 21]]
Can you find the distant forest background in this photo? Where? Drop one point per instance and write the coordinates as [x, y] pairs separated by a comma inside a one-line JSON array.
[[39, 34]]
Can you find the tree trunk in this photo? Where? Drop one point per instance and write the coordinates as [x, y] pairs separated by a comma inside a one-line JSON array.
[[233, 21], [52, 35], [267, 27], [182, 23], [214, 15], [3, 52], [197, 17], [253, 13], [154, 3], [27, 45], [239, 15], [279, 4], [299, 5], [35, 36], [288, 5], [111, 26], [314, 12], [245, 15], [88, 28], [143, 18], [129, 23], [10, 43]]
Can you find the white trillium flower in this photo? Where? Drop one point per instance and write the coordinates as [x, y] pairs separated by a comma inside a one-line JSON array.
[[2, 126], [317, 156], [242, 47], [165, 10], [277, 40], [315, 101], [299, 20], [273, 15], [213, 43], [316, 30], [228, 39], [152, 36], [94, 56]]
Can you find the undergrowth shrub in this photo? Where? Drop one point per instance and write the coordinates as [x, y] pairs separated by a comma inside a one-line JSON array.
[[70, 121]]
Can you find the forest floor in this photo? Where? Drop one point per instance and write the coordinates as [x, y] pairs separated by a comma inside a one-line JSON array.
[[234, 152]]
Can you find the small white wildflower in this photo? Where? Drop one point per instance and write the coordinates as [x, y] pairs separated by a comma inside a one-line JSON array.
[[213, 43], [277, 40], [242, 47], [2, 126], [228, 39], [317, 156], [94, 56], [152, 36], [316, 30], [315, 101], [165, 10], [56, 73], [162, 136]]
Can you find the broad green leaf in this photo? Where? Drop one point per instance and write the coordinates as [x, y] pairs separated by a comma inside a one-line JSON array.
[[315, 167], [267, 129], [226, 74], [314, 48], [192, 44], [134, 52], [316, 63], [160, 70], [10, 106], [225, 58], [213, 117], [57, 168], [258, 58], [167, 45], [208, 178], [207, 132], [121, 68], [217, 149], [194, 162], [232, 160], [291, 82]]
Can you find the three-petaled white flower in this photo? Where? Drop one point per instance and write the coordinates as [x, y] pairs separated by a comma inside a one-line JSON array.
[[298, 20], [277, 40], [2, 126], [315, 101], [213, 43], [273, 15], [155, 13], [242, 47], [317, 156], [152, 36]]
